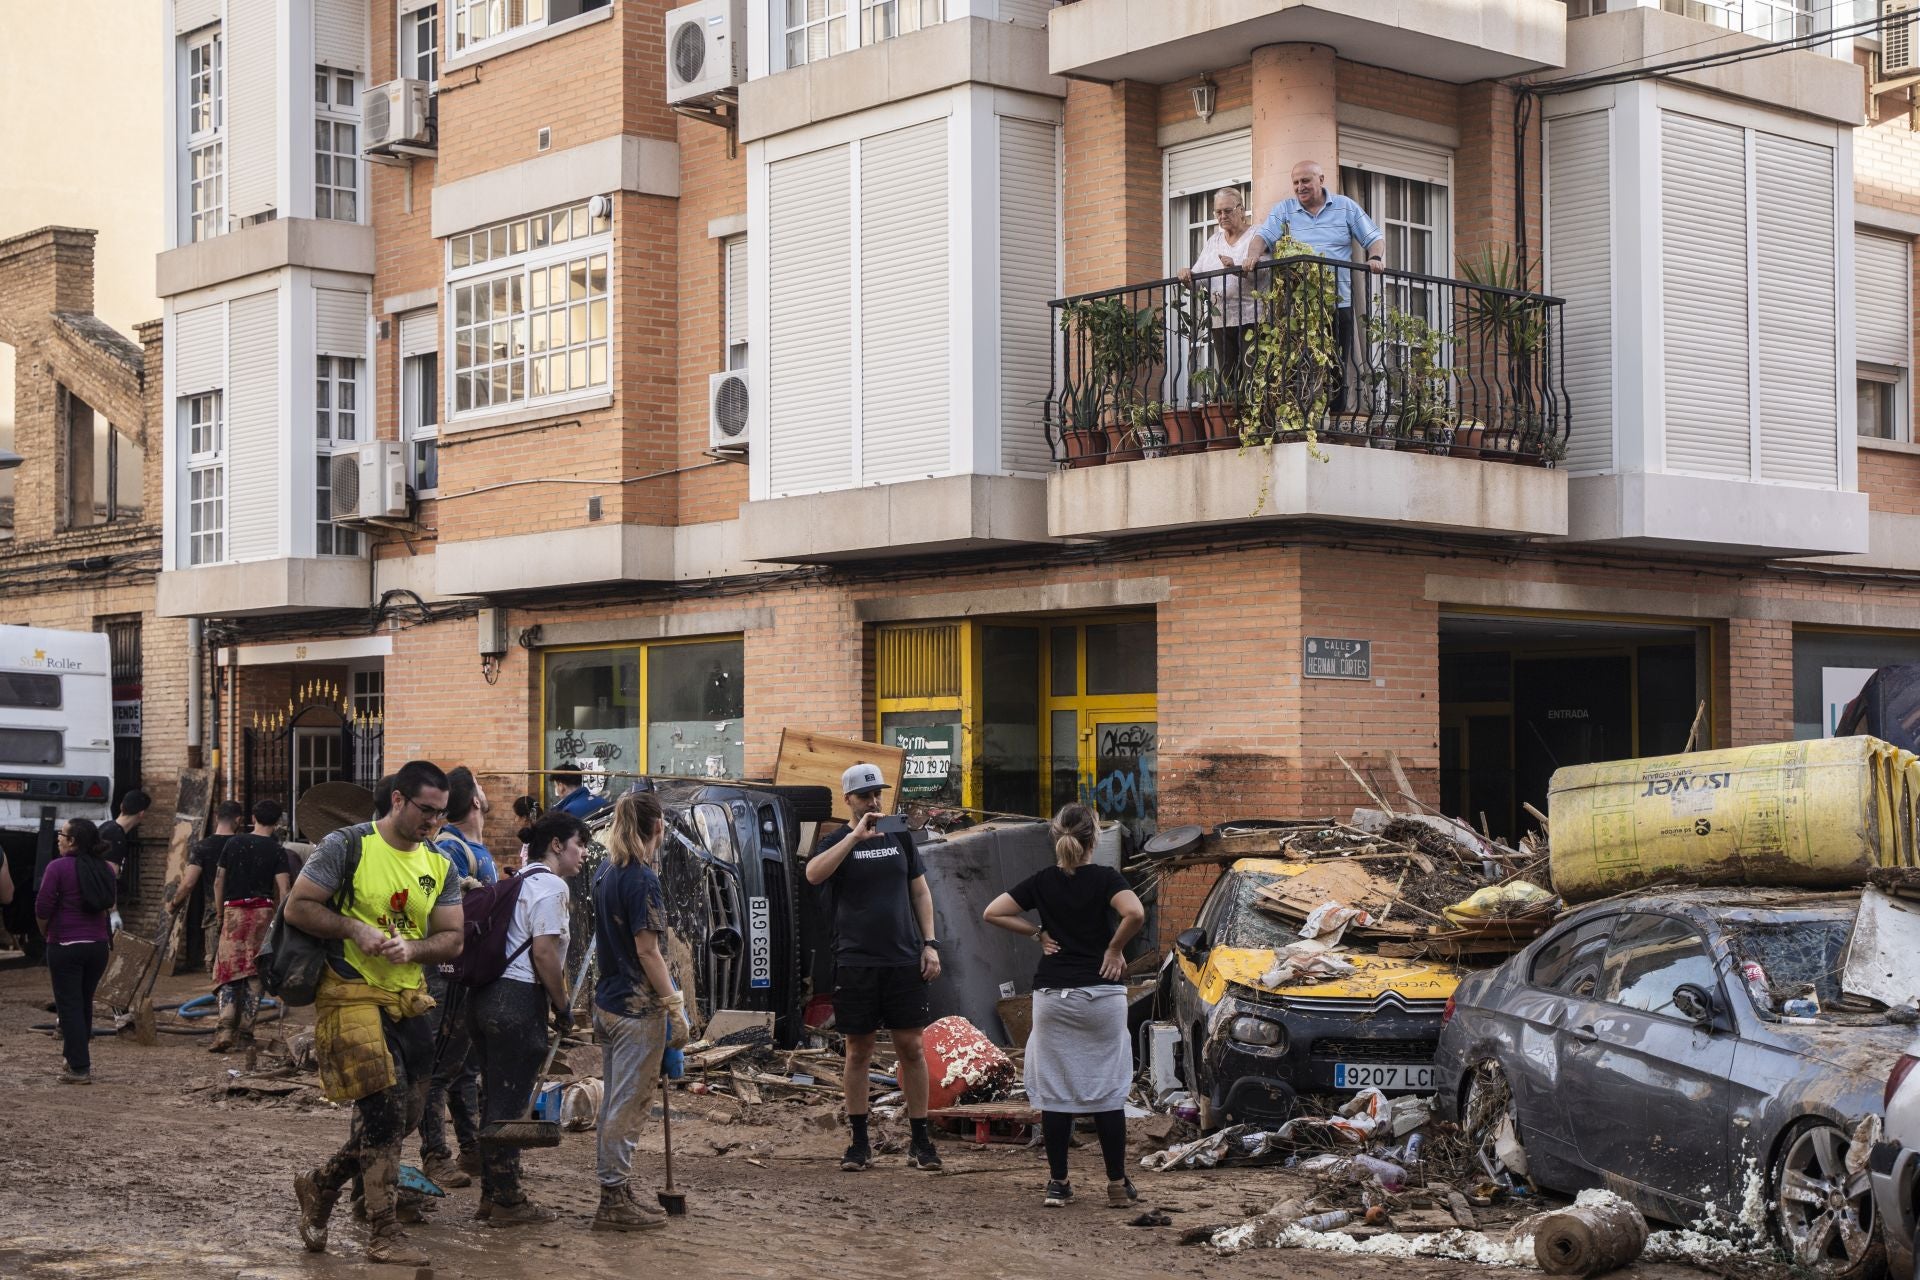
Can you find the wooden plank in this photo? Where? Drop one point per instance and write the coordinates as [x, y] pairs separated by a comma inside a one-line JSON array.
[[809, 759], [189, 819]]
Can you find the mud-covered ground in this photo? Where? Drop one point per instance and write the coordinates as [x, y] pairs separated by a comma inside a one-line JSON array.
[[150, 1172]]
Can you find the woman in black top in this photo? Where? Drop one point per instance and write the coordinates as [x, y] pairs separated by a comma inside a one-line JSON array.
[[1078, 1060]]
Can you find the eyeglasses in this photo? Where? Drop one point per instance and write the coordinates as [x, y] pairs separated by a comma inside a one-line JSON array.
[[429, 814]]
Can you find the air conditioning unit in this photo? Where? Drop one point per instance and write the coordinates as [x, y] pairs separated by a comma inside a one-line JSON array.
[[399, 116], [729, 397], [1899, 38], [368, 482], [706, 50]]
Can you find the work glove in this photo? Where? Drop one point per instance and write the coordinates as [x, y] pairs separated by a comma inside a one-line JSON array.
[[562, 1021], [113, 918], [679, 1027]]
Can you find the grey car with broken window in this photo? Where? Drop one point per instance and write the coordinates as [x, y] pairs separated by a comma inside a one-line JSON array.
[[1645, 1044]]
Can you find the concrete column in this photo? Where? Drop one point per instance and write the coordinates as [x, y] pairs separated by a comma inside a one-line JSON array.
[[1293, 118]]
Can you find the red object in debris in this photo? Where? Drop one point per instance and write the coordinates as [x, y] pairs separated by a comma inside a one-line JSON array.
[[818, 1013], [962, 1063]]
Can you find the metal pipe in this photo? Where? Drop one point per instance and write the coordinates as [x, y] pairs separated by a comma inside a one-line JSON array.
[[195, 659]]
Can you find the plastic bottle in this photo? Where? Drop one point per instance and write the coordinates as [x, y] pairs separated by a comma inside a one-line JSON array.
[[1412, 1149], [1801, 1007], [1324, 1221], [1388, 1174], [1756, 979]]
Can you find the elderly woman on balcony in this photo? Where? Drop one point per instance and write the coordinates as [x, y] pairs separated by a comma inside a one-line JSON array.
[[1232, 311]]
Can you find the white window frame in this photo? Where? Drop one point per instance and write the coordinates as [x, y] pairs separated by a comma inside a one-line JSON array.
[[1398, 232], [494, 299], [480, 22], [337, 418], [369, 694], [420, 419], [206, 133], [415, 63], [735, 300], [1768, 19], [203, 436], [1894, 379], [859, 23], [336, 144]]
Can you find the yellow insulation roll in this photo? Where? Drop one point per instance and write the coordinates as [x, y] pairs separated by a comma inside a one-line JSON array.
[[1818, 814]]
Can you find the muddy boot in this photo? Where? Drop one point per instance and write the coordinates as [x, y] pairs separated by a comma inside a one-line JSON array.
[[521, 1213], [222, 1040], [469, 1161], [619, 1211], [386, 1242], [445, 1172], [316, 1206]]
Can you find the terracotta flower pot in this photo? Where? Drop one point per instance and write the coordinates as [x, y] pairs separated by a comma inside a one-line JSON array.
[[1219, 426], [1185, 430], [1083, 446], [1122, 446]]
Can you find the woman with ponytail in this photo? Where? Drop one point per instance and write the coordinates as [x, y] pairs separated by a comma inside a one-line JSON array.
[[1078, 1061], [74, 909]]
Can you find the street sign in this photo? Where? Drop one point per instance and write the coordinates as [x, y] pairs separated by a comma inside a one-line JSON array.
[[1330, 658]]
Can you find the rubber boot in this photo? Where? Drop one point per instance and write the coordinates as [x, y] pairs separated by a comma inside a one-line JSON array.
[[386, 1242], [222, 1039], [316, 1206], [521, 1213], [619, 1211]]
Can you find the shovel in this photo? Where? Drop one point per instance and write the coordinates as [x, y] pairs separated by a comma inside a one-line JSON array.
[[526, 1131], [672, 1200]]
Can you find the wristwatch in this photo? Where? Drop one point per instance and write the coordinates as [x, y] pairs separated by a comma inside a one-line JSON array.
[[929, 942]]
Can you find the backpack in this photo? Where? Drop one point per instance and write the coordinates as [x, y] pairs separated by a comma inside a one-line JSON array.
[[488, 913], [291, 960]]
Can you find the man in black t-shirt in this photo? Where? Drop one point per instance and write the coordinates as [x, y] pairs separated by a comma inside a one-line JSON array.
[[251, 881], [116, 837], [884, 957], [205, 858]]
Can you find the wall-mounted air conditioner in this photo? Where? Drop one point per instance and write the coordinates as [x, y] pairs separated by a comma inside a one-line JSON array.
[[729, 396], [1899, 38], [706, 50], [368, 482], [399, 118]]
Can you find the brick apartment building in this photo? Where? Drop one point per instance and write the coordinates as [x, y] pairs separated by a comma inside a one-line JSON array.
[[523, 285], [80, 526]]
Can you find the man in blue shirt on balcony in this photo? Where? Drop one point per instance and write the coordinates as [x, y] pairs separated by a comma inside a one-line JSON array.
[[1330, 226]]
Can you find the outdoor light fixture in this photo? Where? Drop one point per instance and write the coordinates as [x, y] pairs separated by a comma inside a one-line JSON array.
[[1204, 95], [9, 460]]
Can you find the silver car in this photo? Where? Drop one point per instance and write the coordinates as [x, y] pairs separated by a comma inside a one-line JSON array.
[[1895, 1166], [1646, 1045]]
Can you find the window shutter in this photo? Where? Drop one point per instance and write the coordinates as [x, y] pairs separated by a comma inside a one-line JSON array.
[[253, 109], [918, 662], [198, 349], [340, 323], [1703, 241], [419, 332], [256, 491], [414, 6], [1029, 280], [1375, 154], [1883, 292], [737, 291], [1209, 164], [340, 34], [1027, 13], [810, 308], [191, 15], [1580, 269], [1799, 428], [905, 428]]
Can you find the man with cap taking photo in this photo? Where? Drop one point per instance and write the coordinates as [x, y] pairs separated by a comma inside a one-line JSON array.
[[884, 956]]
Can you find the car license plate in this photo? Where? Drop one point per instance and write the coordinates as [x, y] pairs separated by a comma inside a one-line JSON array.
[[759, 943], [1367, 1075], [13, 786]]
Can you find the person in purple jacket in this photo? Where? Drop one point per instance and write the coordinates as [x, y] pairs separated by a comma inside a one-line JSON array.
[[77, 894]]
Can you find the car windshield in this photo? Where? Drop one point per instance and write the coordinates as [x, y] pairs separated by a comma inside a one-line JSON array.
[[1244, 925], [1796, 958]]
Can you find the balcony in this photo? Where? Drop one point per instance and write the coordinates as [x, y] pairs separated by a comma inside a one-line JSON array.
[[1429, 402]]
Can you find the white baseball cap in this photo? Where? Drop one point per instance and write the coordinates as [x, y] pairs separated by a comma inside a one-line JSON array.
[[862, 777]]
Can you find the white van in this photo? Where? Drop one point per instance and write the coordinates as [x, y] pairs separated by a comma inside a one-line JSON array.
[[56, 727]]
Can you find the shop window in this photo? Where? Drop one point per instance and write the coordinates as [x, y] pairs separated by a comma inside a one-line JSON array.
[[672, 708], [1829, 667]]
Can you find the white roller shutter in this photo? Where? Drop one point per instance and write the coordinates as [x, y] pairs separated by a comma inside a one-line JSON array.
[[1883, 298], [1209, 164], [1377, 154], [1027, 13], [1580, 270], [253, 108], [198, 350], [191, 15], [1703, 241], [340, 34], [254, 467], [340, 323], [1799, 314], [738, 295], [810, 322], [1029, 280], [904, 392], [419, 332]]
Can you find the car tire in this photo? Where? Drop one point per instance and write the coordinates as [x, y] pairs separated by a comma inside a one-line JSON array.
[[1816, 1209]]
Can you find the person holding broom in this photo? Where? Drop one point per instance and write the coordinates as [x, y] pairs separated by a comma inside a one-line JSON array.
[[637, 1013]]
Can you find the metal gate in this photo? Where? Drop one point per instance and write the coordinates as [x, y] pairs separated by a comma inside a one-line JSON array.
[[317, 738]]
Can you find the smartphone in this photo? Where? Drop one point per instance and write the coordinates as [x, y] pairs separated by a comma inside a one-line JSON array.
[[890, 822]]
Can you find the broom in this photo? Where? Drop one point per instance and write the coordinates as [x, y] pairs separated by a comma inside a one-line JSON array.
[[526, 1131]]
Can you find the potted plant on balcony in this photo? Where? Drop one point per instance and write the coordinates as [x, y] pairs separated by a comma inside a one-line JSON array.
[[1083, 438], [1145, 433], [1215, 421], [1122, 350], [1416, 382], [1292, 373], [1509, 322]]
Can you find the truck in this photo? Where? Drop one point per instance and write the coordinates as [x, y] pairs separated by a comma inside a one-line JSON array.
[[56, 748]]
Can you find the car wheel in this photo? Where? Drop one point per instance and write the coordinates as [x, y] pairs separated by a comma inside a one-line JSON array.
[[1822, 1212], [1486, 1102]]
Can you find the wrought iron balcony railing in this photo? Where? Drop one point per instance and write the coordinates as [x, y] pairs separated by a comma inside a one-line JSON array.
[[1234, 358]]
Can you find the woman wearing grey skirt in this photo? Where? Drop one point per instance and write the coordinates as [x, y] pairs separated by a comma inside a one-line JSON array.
[[1079, 1062]]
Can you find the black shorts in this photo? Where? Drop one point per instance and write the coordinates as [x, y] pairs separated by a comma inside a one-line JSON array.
[[866, 998]]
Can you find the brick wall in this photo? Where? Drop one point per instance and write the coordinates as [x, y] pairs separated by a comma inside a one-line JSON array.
[[1891, 480]]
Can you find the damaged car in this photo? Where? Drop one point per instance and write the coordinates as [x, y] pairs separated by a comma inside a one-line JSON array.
[[1252, 1041], [1691, 1051]]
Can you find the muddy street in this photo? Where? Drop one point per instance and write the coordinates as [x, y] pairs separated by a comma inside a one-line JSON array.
[[151, 1172]]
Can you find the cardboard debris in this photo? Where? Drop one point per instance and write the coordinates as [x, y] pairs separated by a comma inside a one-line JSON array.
[[1883, 952]]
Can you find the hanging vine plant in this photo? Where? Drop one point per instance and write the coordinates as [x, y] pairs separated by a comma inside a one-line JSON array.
[[1291, 375]]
